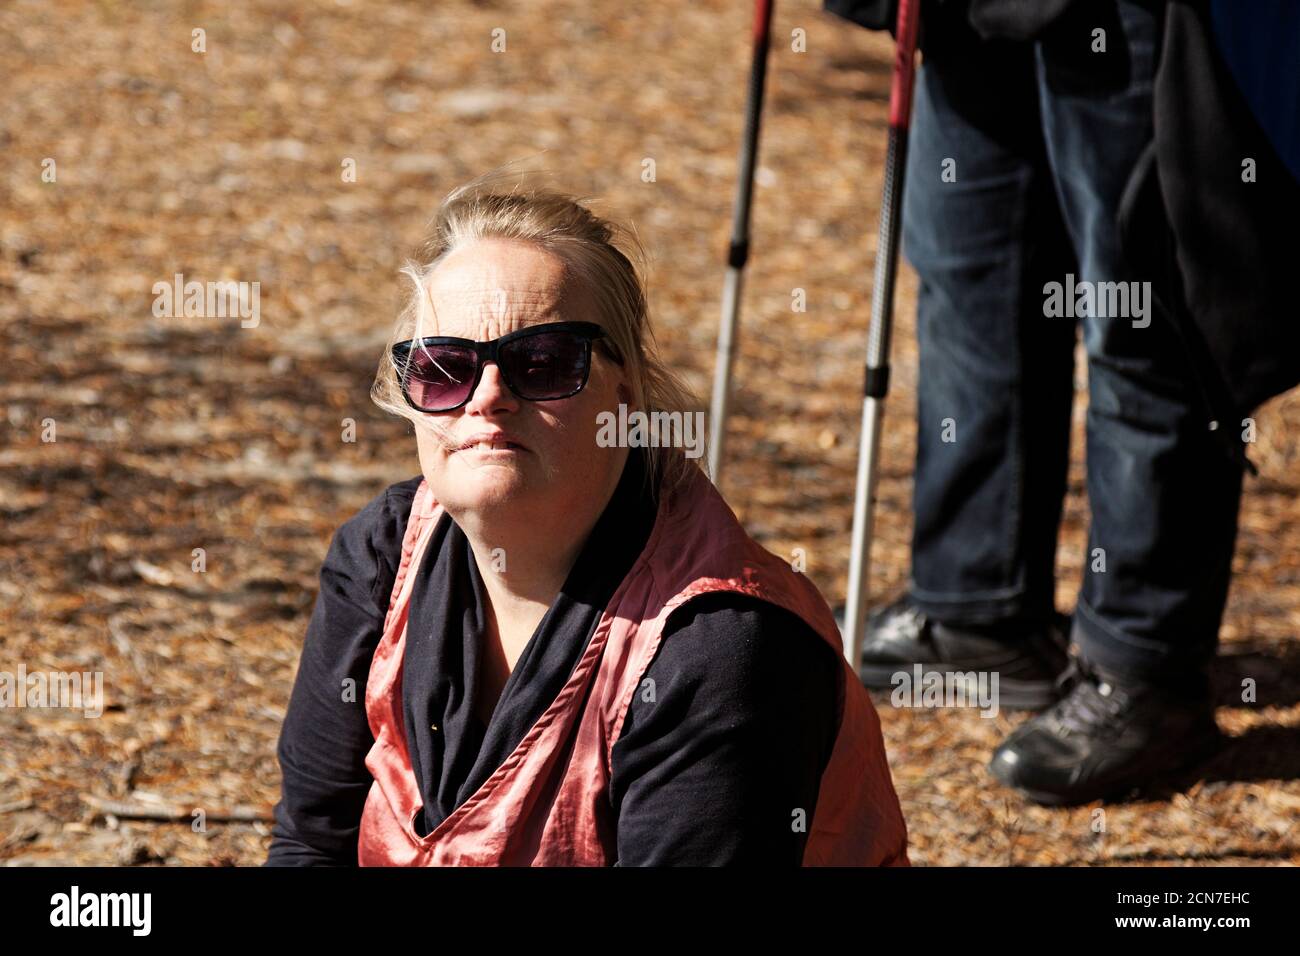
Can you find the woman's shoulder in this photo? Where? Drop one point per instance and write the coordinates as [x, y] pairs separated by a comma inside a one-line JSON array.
[[725, 636], [390, 506], [366, 547], [748, 616]]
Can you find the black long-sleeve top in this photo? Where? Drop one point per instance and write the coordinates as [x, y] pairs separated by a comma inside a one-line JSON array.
[[710, 768]]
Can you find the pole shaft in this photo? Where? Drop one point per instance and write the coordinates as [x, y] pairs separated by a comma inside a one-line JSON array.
[[876, 379], [738, 248]]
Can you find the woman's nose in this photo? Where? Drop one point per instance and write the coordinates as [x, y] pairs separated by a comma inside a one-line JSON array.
[[491, 392]]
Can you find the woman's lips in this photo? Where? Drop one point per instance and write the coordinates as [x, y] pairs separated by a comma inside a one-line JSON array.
[[491, 443], [496, 448]]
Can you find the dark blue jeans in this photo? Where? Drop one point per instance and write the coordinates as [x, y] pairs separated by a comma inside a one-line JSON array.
[[1018, 158]]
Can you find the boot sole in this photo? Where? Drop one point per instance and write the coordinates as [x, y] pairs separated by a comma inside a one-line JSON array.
[[1200, 752]]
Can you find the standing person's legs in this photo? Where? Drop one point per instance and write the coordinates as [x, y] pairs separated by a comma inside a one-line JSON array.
[[983, 231], [994, 385], [1163, 494], [995, 382]]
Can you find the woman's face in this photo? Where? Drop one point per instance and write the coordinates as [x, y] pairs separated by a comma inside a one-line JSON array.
[[482, 291]]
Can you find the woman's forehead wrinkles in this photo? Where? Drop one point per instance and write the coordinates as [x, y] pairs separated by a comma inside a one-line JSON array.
[[499, 296], [486, 313], [498, 303]]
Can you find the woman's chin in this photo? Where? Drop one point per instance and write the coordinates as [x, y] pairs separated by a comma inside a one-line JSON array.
[[487, 484]]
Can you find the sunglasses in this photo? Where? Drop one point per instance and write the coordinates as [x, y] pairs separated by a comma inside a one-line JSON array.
[[540, 363]]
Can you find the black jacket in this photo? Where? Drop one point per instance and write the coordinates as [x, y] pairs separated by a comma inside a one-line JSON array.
[[1228, 248]]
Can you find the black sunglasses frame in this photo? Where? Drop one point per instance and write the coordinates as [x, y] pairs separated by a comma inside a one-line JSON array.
[[485, 352]]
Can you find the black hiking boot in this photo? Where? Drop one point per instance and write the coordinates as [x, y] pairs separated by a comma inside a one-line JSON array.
[[1028, 659], [1106, 737]]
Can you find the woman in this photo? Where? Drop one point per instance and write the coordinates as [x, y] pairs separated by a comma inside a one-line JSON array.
[[546, 650]]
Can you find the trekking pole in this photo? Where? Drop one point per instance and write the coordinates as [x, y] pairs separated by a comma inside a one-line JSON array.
[[738, 251], [876, 384]]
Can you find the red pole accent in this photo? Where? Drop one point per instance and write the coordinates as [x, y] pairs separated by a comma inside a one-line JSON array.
[[762, 17], [900, 93]]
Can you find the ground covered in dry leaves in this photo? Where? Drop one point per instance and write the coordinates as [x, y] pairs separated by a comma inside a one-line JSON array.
[[177, 434]]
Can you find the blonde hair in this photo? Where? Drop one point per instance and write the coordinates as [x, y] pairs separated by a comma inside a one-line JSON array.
[[597, 251]]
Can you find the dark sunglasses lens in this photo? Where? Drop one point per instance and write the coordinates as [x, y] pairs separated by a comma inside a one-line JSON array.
[[439, 377], [546, 365]]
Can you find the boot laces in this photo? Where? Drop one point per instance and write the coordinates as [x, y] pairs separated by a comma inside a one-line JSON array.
[[1091, 701]]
